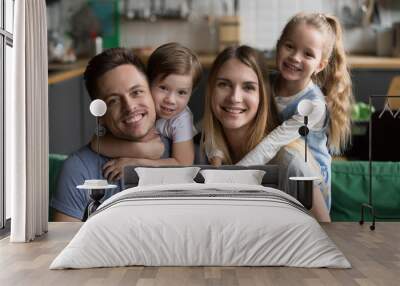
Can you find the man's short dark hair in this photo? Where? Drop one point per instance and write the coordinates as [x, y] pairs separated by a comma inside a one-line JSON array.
[[106, 61]]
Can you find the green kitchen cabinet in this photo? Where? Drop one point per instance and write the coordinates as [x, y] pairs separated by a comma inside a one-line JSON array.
[[107, 12]]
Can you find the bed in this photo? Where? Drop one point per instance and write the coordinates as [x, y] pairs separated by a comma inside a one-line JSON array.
[[202, 222]]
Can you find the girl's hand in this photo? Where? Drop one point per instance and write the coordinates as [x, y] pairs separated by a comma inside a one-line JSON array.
[[113, 169]]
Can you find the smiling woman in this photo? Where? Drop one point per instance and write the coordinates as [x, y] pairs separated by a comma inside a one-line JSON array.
[[239, 110], [236, 97]]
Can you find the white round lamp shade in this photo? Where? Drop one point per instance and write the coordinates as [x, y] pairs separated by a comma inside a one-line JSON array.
[[305, 107], [95, 185], [98, 107]]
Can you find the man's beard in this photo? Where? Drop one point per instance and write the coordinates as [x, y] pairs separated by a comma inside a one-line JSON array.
[[146, 133]]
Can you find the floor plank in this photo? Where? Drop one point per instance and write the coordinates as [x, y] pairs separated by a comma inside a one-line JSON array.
[[374, 255]]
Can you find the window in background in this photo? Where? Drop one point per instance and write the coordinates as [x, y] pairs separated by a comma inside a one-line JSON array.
[[6, 64]]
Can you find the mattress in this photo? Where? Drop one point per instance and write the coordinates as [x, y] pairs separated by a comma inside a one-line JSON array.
[[201, 225]]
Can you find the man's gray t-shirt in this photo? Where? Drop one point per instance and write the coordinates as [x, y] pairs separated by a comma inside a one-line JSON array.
[[80, 166]]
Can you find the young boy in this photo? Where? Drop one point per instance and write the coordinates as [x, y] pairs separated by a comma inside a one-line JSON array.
[[173, 72]]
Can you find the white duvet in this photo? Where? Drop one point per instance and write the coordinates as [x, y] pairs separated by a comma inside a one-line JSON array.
[[223, 224]]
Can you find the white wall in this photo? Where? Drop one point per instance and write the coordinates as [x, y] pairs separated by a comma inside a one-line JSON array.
[[262, 21], [261, 24]]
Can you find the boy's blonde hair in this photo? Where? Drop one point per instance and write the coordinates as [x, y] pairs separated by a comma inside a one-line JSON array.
[[267, 116], [173, 58], [334, 80]]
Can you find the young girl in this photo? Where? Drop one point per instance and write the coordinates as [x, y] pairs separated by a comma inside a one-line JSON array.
[[173, 72], [312, 65]]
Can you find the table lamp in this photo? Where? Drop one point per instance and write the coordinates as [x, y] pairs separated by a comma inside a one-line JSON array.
[[96, 186], [305, 184], [305, 108]]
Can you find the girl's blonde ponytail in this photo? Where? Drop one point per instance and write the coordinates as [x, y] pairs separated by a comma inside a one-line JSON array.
[[335, 83]]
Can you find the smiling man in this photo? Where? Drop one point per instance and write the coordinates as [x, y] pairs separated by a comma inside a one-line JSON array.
[[118, 77]]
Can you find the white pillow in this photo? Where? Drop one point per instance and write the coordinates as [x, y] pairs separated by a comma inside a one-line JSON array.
[[249, 177], [162, 176]]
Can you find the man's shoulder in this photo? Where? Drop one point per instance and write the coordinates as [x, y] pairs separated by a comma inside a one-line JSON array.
[[84, 158], [82, 154], [79, 166]]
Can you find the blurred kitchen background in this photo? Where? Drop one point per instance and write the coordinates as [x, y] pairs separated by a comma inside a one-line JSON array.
[[78, 29], [195, 23]]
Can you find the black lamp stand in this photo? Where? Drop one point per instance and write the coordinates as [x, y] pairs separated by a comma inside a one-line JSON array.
[[96, 191], [304, 185], [96, 195]]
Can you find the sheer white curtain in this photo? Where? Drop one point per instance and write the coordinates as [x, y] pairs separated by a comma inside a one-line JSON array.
[[27, 124]]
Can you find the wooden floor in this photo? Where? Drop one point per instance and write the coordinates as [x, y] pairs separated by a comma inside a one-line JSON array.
[[374, 255]]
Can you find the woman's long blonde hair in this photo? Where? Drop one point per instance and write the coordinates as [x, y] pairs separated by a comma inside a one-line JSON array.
[[266, 118], [334, 80]]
